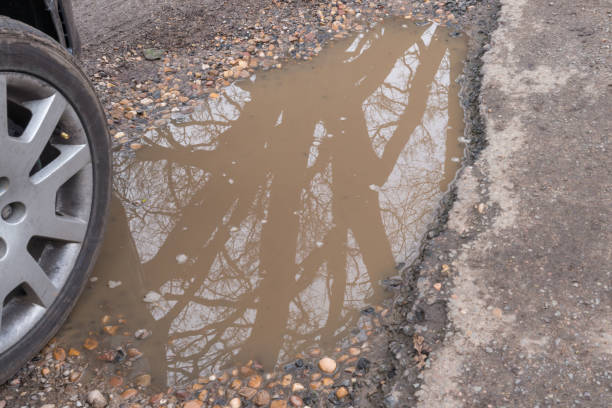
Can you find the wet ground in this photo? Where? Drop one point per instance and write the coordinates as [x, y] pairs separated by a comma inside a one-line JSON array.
[[261, 223]]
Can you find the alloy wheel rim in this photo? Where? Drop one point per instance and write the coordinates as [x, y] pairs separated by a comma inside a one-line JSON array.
[[46, 189]]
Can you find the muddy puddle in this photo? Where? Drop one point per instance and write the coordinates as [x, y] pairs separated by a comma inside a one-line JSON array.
[[261, 224]]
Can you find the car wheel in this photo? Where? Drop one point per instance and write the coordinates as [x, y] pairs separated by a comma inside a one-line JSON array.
[[54, 189]]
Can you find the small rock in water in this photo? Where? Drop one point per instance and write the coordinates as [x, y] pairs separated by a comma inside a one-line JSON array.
[[235, 403], [143, 380], [181, 259], [297, 387], [152, 54], [96, 399], [327, 365], [142, 334], [129, 393], [262, 398], [90, 343], [193, 404], [113, 284], [255, 381]]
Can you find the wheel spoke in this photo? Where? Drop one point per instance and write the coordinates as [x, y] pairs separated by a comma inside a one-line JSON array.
[[3, 113], [34, 276], [46, 114], [63, 228], [71, 160]]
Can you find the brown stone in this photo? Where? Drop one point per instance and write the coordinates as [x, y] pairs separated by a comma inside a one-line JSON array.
[[255, 381], [262, 398], [247, 392], [111, 329], [286, 381], [236, 384], [296, 401], [202, 395], [143, 380], [129, 393], [193, 404], [354, 351], [74, 352], [315, 376], [59, 354], [90, 344], [327, 365], [156, 398], [328, 382], [341, 392], [278, 404], [45, 371], [315, 385], [115, 381]]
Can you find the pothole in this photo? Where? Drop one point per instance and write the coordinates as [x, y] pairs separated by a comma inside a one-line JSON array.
[[261, 223]]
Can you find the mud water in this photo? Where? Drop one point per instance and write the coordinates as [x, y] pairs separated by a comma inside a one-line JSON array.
[[261, 224]]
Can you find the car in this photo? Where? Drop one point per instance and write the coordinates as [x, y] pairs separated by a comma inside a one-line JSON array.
[[55, 176]]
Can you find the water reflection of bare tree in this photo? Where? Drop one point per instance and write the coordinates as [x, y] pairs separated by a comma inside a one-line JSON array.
[[284, 211]]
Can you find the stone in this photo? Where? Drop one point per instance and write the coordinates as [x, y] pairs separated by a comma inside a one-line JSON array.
[[74, 376], [90, 344], [262, 398], [115, 381], [315, 385], [236, 384], [341, 392], [327, 365], [193, 404], [297, 387], [111, 329], [152, 54], [59, 354], [327, 382], [129, 393], [286, 381], [202, 395], [143, 380], [255, 381], [48, 406], [235, 403], [74, 352], [142, 334], [247, 392], [278, 404], [96, 399], [296, 401]]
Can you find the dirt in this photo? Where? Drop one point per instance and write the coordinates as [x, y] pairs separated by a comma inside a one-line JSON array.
[[201, 48]]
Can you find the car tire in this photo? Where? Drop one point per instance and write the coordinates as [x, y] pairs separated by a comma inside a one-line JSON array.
[[29, 57]]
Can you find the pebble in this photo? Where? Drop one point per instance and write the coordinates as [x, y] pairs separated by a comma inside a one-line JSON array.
[[48, 406], [354, 351], [96, 399], [327, 365], [327, 382], [286, 381], [143, 380], [129, 393], [297, 387], [235, 403], [341, 392], [90, 344], [142, 334], [113, 284], [247, 393], [278, 404], [202, 395], [193, 404], [296, 401], [59, 354], [74, 352], [2, 403], [115, 381], [262, 398], [255, 381]]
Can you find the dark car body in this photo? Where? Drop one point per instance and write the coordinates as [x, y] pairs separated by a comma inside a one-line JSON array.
[[52, 17]]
